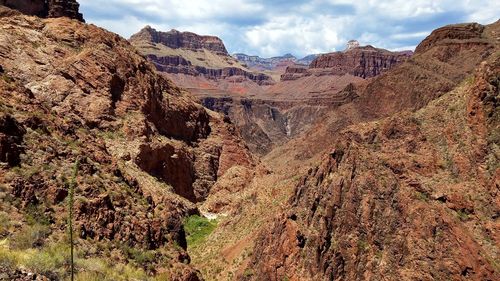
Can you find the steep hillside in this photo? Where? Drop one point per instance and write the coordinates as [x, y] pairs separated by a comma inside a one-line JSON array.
[[440, 62], [147, 153], [410, 197], [385, 156]]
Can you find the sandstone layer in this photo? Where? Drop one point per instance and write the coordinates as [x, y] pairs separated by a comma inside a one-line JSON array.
[[364, 62], [191, 54]]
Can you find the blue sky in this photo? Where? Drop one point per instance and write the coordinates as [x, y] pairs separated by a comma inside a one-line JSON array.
[[301, 27]]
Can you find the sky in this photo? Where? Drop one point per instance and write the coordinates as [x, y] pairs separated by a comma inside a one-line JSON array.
[[301, 27]]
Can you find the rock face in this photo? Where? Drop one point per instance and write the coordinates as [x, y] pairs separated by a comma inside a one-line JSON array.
[[364, 62], [443, 60], [147, 149], [187, 53], [11, 137], [401, 198], [185, 40], [46, 8]]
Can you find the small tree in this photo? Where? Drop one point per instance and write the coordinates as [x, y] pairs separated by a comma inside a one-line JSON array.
[[71, 196]]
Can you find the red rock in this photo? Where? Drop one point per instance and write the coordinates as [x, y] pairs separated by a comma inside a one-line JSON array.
[[46, 8]]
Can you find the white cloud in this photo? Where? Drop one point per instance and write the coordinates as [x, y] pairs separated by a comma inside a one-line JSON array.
[[275, 27]]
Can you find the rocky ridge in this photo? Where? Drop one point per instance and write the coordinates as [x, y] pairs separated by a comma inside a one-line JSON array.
[[187, 53], [274, 63], [364, 62]]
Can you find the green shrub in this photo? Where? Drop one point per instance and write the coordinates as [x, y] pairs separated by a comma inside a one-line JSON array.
[[140, 256], [4, 223], [29, 236], [54, 258], [248, 272], [198, 228], [8, 259]]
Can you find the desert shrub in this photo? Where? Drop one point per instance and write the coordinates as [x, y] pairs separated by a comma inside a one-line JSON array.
[[29, 236], [4, 223], [8, 259], [138, 255], [35, 215], [198, 228], [248, 272], [100, 269], [51, 259]]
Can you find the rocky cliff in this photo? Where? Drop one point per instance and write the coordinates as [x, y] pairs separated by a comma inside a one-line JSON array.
[[443, 60], [409, 197], [187, 53], [46, 8], [176, 39], [147, 151], [364, 62]]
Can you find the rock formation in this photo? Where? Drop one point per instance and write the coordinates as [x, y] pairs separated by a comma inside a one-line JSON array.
[[181, 40], [364, 62], [398, 198], [187, 53], [46, 8]]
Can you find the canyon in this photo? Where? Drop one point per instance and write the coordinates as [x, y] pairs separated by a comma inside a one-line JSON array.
[[266, 112], [188, 163]]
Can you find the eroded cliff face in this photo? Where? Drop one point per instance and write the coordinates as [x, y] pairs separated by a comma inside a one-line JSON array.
[[187, 53], [147, 149], [413, 196], [364, 62], [46, 8], [176, 39]]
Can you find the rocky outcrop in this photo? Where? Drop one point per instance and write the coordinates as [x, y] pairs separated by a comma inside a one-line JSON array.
[[265, 124], [443, 60], [185, 53], [46, 8], [401, 198], [181, 40], [364, 62], [11, 137], [451, 34], [294, 72]]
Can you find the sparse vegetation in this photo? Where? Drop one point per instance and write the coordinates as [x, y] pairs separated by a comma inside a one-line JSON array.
[[198, 228], [462, 215], [29, 236]]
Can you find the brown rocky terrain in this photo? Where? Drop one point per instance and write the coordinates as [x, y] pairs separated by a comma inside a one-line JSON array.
[[440, 62], [147, 151], [412, 196], [372, 166]]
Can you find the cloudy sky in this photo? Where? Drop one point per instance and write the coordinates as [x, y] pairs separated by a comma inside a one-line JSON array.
[[275, 27]]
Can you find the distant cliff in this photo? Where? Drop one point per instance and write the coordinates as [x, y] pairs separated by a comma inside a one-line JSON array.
[[364, 62], [187, 53]]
